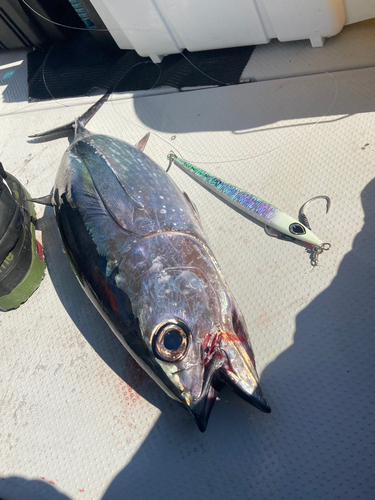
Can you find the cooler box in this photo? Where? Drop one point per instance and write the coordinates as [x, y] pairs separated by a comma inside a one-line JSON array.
[[156, 28]]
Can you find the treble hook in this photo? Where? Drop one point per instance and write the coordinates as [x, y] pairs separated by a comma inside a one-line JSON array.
[[302, 216]]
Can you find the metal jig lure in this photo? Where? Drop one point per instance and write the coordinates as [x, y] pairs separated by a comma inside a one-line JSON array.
[[257, 208]]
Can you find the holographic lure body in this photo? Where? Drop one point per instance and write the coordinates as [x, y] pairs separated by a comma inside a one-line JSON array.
[[253, 206]]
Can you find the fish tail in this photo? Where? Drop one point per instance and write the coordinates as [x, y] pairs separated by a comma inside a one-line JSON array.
[[70, 129]]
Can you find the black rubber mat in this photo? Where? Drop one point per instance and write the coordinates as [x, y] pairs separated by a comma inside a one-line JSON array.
[[80, 66]]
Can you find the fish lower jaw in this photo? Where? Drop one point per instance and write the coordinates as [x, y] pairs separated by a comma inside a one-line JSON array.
[[201, 408]]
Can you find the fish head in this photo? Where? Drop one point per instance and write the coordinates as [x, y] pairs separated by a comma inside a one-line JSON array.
[[194, 339]]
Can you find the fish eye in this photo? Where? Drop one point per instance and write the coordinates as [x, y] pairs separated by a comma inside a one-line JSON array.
[[170, 342], [297, 228]]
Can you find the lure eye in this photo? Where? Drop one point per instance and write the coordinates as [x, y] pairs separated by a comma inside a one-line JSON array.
[[297, 229], [170, 342]]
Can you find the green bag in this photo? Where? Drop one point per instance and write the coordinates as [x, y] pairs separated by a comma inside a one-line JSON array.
[[22, 265]]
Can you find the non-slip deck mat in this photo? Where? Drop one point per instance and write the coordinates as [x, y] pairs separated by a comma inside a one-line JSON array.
[[81, 65], [79, 420]]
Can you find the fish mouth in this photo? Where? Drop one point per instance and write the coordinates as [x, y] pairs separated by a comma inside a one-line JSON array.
[[201, 407], [235, 369]]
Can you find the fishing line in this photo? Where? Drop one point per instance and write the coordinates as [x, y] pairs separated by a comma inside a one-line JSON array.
[[304, 132], [44, 80], [108, 30], [229, 160], [65, 25], [246, 158], [111, 100], [239, 159], [200, 71], [120, 78], [122, 116]]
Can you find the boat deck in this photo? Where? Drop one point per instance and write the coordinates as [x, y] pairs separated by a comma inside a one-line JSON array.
[[80, 420]]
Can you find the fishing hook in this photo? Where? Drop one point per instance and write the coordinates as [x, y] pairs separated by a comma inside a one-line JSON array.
[[301, 214], [302, 217], [316, 250]]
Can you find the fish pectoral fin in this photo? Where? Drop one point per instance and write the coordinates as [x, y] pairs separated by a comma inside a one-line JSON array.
[[43, 200], [99, 214], [142, 143]]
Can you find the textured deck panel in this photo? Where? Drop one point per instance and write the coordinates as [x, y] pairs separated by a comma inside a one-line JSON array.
[[80, 420]]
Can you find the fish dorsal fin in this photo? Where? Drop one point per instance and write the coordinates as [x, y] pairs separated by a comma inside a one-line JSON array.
[[142, 143], [43, 200]]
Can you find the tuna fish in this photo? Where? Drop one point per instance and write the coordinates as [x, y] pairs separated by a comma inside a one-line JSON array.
[[138, 249]]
